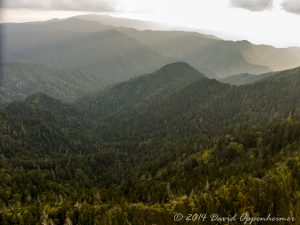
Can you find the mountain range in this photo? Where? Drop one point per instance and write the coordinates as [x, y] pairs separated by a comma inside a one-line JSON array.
[[178, 100], [109, 50], [143, 149], [106, 121], [160, 103]]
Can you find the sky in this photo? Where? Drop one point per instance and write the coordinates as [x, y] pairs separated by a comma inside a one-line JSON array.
[[274, 22]]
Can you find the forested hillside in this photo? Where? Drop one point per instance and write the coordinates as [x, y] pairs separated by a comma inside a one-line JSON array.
[[145, 149], [107, 50], [205, 105], [108, 53], [140, 91], [241, 79], [20, 80], [126, 183], [216, 57]]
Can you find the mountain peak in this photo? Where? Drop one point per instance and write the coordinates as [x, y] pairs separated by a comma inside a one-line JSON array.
[[177, 64], [39, 104], [38, 100], [39, 97], [42, 100], [137, 91], [180, 68]]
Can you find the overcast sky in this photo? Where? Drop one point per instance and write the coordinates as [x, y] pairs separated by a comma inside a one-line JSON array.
[[275, 22]]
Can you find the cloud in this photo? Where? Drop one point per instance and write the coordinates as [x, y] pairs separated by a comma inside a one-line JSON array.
[[72, 5], [253, 5], [292, 6]]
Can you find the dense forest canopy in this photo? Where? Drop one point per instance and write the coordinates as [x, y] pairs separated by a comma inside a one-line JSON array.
[[172, 141]]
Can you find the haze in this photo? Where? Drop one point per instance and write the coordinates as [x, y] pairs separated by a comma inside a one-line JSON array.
[[260, 21]]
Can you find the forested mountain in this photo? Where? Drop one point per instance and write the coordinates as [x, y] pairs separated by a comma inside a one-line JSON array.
[[41, 120], [108, 50], [21, 39], [20, 80], [86, 47], [158, 157], [140, 91], [192, 47], [104, 124], [108, 53], [215, 57], [242, 79], [201, 106]]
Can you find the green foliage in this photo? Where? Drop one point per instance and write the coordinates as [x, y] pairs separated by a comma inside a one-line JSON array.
[[20, 80], [195, 145], [182, 106]]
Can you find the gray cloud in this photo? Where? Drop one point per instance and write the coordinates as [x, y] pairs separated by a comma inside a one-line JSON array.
[[292, 6], [73, 5], [253, 5]]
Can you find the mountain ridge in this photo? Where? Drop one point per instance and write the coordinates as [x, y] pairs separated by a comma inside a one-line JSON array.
[[195, 106], [243, 79], [142, 89], [115, 54]]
